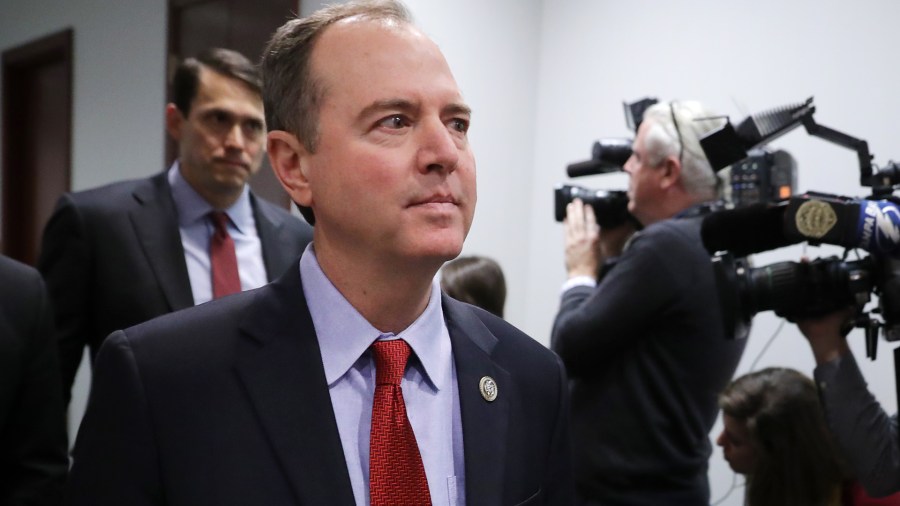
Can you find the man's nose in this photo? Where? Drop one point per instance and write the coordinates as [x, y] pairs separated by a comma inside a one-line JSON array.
[[235, 137], [629, 165], [438, 149]]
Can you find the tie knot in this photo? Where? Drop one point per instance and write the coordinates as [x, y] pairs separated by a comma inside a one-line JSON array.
[[220, 221], [390, 361]]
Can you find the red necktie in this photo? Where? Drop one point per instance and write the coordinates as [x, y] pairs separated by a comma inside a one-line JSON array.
[[222, 258], [396, 472]]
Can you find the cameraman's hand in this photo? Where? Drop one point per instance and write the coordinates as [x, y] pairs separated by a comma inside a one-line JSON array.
[[826, 334], [582, 239]]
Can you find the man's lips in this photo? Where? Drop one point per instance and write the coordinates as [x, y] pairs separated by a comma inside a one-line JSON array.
[[234, 163], [436, 200]]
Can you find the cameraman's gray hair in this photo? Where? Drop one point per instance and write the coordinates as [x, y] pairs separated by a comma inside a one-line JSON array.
[[662, 140], [291, 93]]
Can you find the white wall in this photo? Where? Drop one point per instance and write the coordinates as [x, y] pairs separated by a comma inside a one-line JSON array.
[[738, 58], [118, 79], [545, 79]]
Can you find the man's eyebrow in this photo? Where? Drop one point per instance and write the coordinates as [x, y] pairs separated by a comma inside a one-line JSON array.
[[217, 110], [457, 108], [400, 104], [231, 114], [396, 104]]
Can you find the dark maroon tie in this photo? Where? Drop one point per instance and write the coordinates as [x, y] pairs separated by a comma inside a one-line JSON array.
[[222, 258], [396, 472]]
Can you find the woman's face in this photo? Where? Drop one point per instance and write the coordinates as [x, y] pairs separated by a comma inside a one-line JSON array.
[[736, 445]]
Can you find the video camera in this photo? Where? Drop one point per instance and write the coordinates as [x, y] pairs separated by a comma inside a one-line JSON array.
[[610, 207], [607, 155], [796, 290], [759, 176]]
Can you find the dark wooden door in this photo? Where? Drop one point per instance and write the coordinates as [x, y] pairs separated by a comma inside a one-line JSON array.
[[242, 25], [37, 133]]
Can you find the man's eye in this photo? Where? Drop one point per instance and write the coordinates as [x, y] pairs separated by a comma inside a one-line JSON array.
[[253, 127], [395, 121], [460, 125], [221, 117]]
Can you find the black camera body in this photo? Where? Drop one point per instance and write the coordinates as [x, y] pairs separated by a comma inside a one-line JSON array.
[[610, 207], [764, 176], [607, 155]]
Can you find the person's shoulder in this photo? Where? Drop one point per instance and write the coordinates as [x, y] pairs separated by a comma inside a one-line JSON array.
[[21, 293], [512, 345], [20, 286], [114, 195], [280, 215], [14, 273], [194, 324], [678, 233], [269, 206], [198, 340]]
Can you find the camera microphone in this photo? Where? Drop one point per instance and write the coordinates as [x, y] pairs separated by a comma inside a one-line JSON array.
[[607, 155], [871, 225], [818, 218], [589, 168], [746, 230], [877, 227]]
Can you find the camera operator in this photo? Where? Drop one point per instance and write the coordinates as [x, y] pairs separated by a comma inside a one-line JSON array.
[[643, 340], [865, 433]]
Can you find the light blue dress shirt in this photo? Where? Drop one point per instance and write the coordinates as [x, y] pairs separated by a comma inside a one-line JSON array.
[[429, 384], [196, 229]]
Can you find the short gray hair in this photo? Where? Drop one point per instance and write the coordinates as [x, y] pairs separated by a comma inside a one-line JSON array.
[[292, 95], [662, 140]]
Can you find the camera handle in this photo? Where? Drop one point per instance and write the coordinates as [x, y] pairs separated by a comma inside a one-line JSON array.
[[872, 328]]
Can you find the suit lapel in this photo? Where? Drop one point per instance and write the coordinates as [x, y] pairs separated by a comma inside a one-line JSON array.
[[281, 367], [484, 423], [156, 225], [270, 228]]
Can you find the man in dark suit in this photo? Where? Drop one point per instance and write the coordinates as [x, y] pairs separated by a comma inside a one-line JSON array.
[[122, 254], [33, 461], [270, 396]]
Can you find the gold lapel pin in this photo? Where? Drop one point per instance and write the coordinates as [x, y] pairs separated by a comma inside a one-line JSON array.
[[488, 388]]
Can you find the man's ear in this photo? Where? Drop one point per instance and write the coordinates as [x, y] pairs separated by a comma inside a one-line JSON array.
[[288, 158], [671, 172], [174, 121]]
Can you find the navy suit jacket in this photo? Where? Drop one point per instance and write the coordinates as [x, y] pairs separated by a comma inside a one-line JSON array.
[[33, 460], [226, 403], [112, 258]]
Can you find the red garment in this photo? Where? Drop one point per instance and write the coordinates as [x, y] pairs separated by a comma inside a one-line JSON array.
[[222, 258], [396, 472], [855, 495]]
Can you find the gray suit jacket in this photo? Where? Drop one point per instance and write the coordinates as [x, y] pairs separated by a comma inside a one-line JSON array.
[[226, 403], [112, 258]]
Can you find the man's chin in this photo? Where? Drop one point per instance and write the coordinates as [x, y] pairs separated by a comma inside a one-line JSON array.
[[440, 253], [229, 183]]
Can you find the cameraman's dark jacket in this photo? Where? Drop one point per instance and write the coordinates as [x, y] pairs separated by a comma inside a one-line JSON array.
[[647, 358]]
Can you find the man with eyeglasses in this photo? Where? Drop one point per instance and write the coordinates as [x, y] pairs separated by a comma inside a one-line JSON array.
[[122, 254], [639, 326]]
